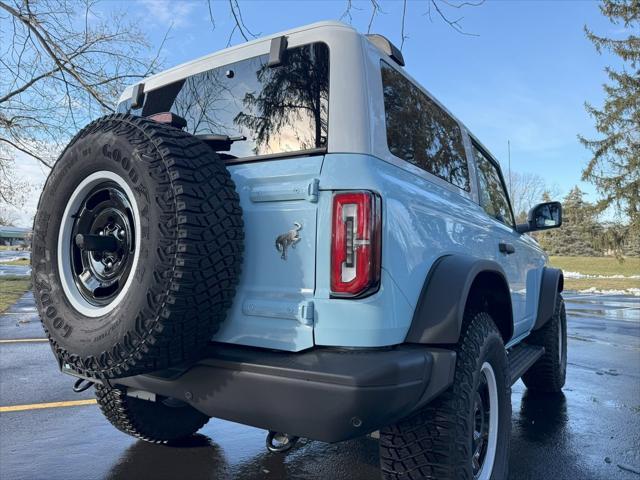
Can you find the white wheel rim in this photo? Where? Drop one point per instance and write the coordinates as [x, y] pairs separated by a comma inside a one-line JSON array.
[[492, 442], [69, 286], [560, 338]]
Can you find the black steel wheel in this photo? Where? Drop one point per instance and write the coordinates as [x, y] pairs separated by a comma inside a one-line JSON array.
[[101, 245]]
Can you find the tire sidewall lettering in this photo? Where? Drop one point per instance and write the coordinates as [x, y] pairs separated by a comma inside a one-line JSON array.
[[77, 156]]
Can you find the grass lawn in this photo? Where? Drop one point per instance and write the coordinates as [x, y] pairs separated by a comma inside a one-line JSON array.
[[601, 283], [20, 261], [597, 265], [606, 266], [11, 289]]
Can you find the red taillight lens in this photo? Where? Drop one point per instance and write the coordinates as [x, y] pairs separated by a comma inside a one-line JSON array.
[[355, 244]]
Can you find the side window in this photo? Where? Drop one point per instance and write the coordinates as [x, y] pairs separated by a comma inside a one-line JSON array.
[[493, 196], [420, 132]]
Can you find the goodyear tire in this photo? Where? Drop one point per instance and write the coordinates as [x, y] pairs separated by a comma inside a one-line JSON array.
[[137, 248], [164, 420], [464, 433], [549, 373]]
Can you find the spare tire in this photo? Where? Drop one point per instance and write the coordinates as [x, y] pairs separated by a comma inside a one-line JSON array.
[[137, 248]]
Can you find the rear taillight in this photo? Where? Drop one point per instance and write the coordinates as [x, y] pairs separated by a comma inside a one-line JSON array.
[[355, 244]]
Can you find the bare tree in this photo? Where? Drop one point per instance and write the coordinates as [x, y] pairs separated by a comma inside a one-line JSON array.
[[8, 217], [13, 190], [526, 190], [62, 64], [442, 9]]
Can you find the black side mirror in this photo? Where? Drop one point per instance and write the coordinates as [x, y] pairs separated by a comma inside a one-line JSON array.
[[542, 217]]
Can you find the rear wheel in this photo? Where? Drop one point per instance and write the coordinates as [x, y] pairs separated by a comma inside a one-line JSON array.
[[162, 421], [549, 373], [464, 433]]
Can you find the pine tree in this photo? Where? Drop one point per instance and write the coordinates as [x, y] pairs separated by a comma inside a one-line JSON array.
[[615, 165], [580, 232]]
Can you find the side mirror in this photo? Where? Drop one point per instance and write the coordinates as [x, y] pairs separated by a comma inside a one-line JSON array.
[[542, 217]]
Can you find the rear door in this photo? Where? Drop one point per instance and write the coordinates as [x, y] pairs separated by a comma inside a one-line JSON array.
[[273, 307]]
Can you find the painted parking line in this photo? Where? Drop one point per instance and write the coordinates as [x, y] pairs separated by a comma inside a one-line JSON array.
[[38, 406], [24, 340]]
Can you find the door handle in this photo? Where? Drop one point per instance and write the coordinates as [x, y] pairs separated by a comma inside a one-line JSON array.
[[506, 248]]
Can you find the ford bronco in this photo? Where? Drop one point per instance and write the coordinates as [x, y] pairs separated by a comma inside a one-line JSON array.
[[293, 234]]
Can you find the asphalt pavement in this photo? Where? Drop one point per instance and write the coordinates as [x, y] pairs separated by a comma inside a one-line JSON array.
[[592, 431]]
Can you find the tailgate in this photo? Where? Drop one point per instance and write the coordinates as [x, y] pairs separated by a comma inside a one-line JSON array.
[[273, 307]]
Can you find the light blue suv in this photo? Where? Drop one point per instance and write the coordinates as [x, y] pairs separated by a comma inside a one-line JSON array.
[[293, 234]]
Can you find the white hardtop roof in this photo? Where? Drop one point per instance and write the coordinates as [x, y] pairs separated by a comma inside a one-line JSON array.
[[180, 71]]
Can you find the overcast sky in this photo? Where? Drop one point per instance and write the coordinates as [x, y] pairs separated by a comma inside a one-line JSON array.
[[522, 76]]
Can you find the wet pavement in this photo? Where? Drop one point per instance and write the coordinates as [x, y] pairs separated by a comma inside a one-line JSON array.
[[10, 255], [592, 431]]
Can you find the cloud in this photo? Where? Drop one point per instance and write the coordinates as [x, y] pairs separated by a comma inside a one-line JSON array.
[[169, 12]]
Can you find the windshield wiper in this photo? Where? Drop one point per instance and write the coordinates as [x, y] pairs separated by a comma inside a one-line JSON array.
[[220, 143]]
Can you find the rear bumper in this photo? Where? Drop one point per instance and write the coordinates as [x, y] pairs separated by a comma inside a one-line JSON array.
[[322, 394]]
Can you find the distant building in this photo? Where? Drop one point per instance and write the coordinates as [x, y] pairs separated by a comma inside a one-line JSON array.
[[13, 236]]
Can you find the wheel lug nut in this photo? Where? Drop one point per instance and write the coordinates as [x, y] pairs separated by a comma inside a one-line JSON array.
[[121, 233]]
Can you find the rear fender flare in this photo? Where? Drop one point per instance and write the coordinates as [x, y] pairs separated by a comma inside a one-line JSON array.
[[551, 286], [439, 312]]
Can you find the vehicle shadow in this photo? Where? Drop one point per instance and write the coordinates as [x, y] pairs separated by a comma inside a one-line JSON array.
[[200, 458], [354, 459], [196, 457], [543, 426]]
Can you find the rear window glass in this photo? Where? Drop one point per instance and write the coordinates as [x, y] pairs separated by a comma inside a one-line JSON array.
[[421, 132], [279, 109]]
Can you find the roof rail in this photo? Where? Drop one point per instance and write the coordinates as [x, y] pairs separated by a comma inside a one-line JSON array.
[[387, 47]]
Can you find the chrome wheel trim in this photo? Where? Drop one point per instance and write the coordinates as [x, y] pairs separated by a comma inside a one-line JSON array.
[[488, 459], [71, 291]]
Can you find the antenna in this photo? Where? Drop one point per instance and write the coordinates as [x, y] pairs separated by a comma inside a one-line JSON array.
[[509, 155]]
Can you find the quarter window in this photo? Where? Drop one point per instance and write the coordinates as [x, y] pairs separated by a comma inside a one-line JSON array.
[[421, 132], [493, 195]]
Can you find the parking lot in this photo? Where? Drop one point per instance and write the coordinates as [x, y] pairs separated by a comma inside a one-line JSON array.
[[591, 431]]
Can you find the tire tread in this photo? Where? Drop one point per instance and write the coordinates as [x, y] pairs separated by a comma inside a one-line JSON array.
[[197, 265]]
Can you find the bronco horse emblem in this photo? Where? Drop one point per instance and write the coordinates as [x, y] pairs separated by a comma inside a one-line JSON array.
[[288, 239]]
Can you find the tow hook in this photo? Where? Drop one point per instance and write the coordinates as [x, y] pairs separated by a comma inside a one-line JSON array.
[[81, 385], [278, 442]]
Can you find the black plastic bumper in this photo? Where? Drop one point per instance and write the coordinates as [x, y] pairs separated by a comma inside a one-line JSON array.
[[322, 394]]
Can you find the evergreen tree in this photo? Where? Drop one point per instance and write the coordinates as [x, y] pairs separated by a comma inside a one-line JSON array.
[[615, 165], [580, 233]]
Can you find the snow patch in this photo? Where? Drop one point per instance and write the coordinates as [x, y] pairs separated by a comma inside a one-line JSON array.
[[584, 275], [11, 259], [627, 291]]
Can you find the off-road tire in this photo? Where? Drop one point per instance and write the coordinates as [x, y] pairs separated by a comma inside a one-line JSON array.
[[153, 421], [191, 243], [549, 373], [435, 442]]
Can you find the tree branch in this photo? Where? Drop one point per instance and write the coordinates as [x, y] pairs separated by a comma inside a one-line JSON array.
[[45, 40], [23, 150]]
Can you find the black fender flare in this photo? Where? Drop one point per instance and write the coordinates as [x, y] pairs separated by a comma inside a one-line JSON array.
[[551, 286], [439, 312]]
